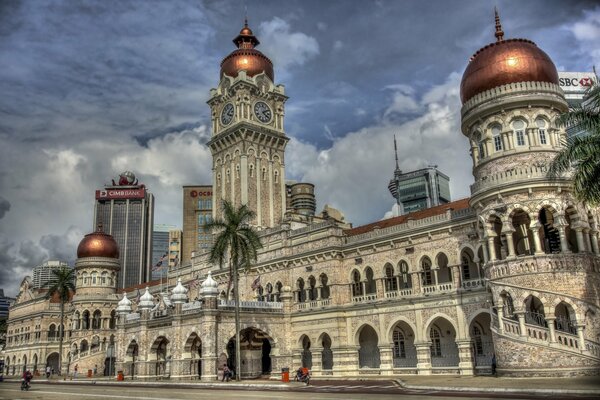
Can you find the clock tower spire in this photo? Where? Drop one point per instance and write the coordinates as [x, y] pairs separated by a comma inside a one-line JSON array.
[[248, 140]]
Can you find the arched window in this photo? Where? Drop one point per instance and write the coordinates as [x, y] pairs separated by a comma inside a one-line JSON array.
[[301, 291], [85, 320], [519, 132], [276, 176], [481, 144], [436, 343], [497, 138], [94, 278], [104, 278], [541, 124], [261, 294], [312, 285], [357, 289], [399, 344], [371, 285], [278, 288], [269, 289], [51, 332], [324, 286], [465, 266], [113, 320], [477, 341], [96, 319], [391, 283], [426, 268], [405, 279]]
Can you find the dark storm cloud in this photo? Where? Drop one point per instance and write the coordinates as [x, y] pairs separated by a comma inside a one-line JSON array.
[[92, 88], [4, 206]]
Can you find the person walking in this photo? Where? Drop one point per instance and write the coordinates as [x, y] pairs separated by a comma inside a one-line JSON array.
[[75, 371], [226, 373], [494, 364], [95, 369], [48, 371]]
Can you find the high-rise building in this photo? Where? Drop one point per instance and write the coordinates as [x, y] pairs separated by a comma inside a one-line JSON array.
[[125, 209], [42, 274], [197, 212], [5, 303], [175, 236], [574, 86], [420, 189], [160, 247]]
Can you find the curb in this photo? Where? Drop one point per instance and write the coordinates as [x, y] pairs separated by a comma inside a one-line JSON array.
[[497, 390]]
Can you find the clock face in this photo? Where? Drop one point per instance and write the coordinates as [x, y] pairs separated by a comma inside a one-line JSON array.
[[227, 114], [262, 111]]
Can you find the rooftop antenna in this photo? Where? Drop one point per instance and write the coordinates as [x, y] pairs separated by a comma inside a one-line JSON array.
[[396, 152], [499, 32], [245, 14]]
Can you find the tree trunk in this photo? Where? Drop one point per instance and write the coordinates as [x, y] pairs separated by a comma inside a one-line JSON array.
[[60, 336], [236, 297]]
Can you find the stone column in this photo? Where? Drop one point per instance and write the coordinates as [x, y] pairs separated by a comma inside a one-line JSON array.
[[580, 336], [564, 246], [317, 361], [435, 276], [594, 239], [423, 358], [588, 242], [345, 360], [491, 247], [465, 358], [522, 328], [386, 359], [319, 292], [484, 250], [500, 309], [551, 333], [363, 285], [579, 235], [534, 228], [456, 278], [509, 242], [415, 279]]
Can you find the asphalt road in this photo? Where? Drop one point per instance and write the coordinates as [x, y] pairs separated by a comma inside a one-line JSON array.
[[347, 390]]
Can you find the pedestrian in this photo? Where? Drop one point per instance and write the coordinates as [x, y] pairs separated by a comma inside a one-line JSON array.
[[95, 369], [75, 371], [226, 373], [53, 371], [48, 371], [494, 364]]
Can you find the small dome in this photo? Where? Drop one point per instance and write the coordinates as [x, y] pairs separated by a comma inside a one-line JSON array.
[[179, 293], [246, 57], [209, 287], [98, 244], [505, 62], [146, 301], [124, 306]]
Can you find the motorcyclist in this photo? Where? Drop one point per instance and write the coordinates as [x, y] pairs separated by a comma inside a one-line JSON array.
[[27, 376]]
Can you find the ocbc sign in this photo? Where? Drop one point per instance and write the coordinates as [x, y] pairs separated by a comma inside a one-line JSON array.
[[195, 193], [575, 82]]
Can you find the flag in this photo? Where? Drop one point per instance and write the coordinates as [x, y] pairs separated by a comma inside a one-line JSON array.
[[158, 265], [137, 298], [256, 284]]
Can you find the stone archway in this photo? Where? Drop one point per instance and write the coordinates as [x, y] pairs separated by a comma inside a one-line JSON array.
[[192, 352], [482, 344], [131, 357], [52, 361], [159, 353], [306, 360], [443, 348], [368, 353], [404, 353], [255, 353]]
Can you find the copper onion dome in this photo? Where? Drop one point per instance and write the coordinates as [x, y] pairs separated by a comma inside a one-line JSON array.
[[504, 62], [98, 244], [246, 57]]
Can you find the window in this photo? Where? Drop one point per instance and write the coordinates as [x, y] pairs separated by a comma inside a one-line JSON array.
[[541, 124], [497, 138], [519, 130], [426, 267], [436, 343], [465, 268], [391, 284], [399, 345], [481, 143], [356, 284]]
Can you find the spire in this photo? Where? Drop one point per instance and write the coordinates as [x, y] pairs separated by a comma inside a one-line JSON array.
[[396, 153], [499, 32]]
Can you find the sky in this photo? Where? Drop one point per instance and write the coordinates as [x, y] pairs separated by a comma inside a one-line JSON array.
[[89, 89]]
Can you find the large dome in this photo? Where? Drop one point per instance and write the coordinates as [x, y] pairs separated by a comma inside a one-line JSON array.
[[246, 57], [98, 244], [504, 62]]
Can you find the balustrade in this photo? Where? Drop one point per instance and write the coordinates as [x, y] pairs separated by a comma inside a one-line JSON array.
[[399, 293], [472, 284], [364, 298], [441, 287], [313, 304]]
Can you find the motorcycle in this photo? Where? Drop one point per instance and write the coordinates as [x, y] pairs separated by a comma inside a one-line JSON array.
[[25, 385]]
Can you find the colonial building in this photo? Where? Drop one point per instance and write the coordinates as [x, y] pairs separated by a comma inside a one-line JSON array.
[[513, 271]]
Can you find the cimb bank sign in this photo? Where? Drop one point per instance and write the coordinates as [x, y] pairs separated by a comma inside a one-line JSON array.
[[575, 82]]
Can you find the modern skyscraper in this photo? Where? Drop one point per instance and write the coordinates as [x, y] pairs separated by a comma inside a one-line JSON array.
[[419, 189], [126, 211], [574, 85], [160, 247], [197, 212], [42, 274], [301, 197], [5, 303]]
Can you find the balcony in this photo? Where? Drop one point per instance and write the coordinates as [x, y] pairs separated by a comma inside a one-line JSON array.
[[313, 304], [365, 298], [440, 287], [398, 294], [264, 306]]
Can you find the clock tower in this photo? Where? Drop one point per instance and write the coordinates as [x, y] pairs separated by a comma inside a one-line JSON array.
[[248, 141]]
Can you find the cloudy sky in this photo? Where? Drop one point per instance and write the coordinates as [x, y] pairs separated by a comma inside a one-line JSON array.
[[92, 88]]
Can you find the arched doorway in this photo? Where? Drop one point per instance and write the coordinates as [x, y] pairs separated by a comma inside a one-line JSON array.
[[24, 363], [482, 345], [368, 353], [306, 353], [35, 362], [326, 354], [52, 361], [131, 357], [109, 361], [443, 348], [193, 353], [255, 353], [159, 354], [404, 351]]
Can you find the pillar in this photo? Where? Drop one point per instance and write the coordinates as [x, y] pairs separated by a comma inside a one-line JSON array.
[[456, 277], [534, 227], [492, 247], [435, 275], [423, 358], [465, 358], [594, 239], [386, 359], [522, 328], [580, 336], [579, 235], [415, 279], [588, 242], [551, 332], [500, 310], [564, 246], [510, 243]]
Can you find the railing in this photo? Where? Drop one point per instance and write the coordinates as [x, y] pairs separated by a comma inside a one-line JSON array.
[[511, 175], [472, 284], [253, 305], [537, 332], [364, 298], [313, 304], [409, 361], [399, 293], [565, 339], [535, 318], [593, 348], [188, 308], [445, 355], [552, 263], [565, 325], [441, 287], [511, 326]]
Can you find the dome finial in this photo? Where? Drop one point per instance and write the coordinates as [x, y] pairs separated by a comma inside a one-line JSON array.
[[499, 32]]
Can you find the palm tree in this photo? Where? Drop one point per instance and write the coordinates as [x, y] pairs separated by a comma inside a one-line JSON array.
[[238, 243], [582, 153], [62, 284]]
